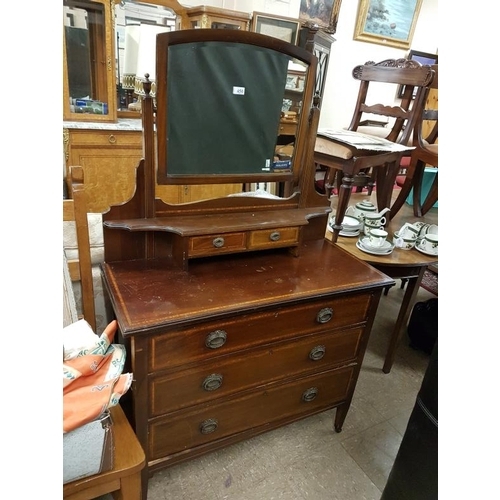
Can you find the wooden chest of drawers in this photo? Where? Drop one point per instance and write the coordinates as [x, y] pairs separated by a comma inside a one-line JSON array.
[[239, 345]]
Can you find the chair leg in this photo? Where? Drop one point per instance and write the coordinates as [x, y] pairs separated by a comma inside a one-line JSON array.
[[418, 177], [431, 197]]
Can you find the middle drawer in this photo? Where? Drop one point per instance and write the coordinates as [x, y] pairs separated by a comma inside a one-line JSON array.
[[202, 342], [231, 374]]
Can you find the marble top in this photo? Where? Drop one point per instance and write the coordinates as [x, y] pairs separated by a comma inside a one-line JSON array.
[[120, 124]]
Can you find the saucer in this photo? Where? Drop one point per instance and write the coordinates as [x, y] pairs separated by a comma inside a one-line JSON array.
[[426, 252], [349, 234], [384, 248]]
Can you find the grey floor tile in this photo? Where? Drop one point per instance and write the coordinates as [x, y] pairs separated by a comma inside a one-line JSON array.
[[331, 474], [375, 450]]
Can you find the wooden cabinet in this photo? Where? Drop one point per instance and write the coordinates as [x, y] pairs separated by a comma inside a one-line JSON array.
[[216, 18], [240, 345], [117, 148], [319, 43]]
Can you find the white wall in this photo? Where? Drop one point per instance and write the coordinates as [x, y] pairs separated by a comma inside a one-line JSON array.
[[341, 90]]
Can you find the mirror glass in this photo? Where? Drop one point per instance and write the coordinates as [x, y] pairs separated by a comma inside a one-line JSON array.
[[226, 111], [84, 34]]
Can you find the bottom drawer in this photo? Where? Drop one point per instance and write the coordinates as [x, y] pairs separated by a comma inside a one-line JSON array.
[[302, 396]]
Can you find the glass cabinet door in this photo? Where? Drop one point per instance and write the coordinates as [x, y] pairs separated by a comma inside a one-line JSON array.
[[89, 90]]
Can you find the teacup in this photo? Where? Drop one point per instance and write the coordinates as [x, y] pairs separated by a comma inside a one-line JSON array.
[[409, 231], [373, 221], [377, 237], [429, 244], [403, 242]]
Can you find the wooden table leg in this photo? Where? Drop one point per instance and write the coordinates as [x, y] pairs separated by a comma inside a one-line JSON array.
[[344, 196], [404, 312]]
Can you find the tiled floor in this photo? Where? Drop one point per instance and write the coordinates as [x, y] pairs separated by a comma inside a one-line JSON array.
[[308, 460]]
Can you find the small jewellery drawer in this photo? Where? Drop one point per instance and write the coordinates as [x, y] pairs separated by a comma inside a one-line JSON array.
[[217, 338], [188, 429], [214, 244], [266, 238], [230, 374]]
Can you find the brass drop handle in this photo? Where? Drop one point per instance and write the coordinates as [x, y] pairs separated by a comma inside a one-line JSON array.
[[216, 339], [218, 242], [275, 236], [212, 382], [309, 394], [208, 426], [112, 139], [317, 352], [324, 315]]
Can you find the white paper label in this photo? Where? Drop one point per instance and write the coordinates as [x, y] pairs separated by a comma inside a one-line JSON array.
[[239, 90]]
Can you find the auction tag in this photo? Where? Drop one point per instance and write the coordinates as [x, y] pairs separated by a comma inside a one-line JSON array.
[[239, 90]]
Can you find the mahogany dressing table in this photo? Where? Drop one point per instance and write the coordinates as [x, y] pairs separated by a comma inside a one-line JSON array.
[[238, 316]]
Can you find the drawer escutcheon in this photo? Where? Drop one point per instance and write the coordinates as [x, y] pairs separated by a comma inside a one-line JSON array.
[[218, 242], [212, 382], [216, 339], [208, 426], [309, 394], [317, 352], [324, 315], [275, 236]]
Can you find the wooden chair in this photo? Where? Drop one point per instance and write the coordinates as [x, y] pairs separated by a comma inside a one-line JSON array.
[[81, 269], [425, 153], [124, 480], [344, 163]]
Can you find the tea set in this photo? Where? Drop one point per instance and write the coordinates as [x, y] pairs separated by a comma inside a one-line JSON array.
[[364, 217]]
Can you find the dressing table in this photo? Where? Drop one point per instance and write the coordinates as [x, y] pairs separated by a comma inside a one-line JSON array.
[[238, 315]]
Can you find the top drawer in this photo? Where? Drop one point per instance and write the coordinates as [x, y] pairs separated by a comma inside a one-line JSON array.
[[106, 138], [191, 345]]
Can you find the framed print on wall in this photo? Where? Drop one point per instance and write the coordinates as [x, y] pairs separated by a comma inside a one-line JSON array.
[[325, 13], [284, 28], [387, 22]]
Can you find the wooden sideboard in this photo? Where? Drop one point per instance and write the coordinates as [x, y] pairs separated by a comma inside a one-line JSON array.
[[240, 345]]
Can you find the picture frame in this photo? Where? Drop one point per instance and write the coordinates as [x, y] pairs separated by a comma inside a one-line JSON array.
[[283, 28], [387, 22], [422, 58], [325, 14]]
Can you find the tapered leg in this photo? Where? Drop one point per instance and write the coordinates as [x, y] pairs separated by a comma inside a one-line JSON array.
[[344, 196]]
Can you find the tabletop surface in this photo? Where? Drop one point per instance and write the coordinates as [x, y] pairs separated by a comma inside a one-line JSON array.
[[398, 257]]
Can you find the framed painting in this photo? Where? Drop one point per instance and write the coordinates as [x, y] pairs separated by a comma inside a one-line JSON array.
[[422, 58], [325, 14], [284, 28], [387, 22]]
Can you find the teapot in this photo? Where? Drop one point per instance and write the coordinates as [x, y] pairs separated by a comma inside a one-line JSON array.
[[365, 207]]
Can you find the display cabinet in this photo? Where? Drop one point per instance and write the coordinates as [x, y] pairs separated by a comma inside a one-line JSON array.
[[319, 43], [203, 16]]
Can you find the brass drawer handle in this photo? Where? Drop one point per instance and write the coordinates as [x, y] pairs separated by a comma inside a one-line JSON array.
[[112, 139], [324, 315], [310, 394], [212, 382], [216, 339], [208, 426], [275, 236], [317, 352], [218, 242]]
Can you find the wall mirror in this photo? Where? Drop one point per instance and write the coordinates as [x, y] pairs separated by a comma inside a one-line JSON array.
[[88, 69], [220, 102]]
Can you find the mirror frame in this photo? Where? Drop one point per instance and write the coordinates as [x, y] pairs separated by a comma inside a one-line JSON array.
[[109, 53], [230, 36]]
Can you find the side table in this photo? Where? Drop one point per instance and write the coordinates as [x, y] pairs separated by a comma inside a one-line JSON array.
[[400, 264]]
